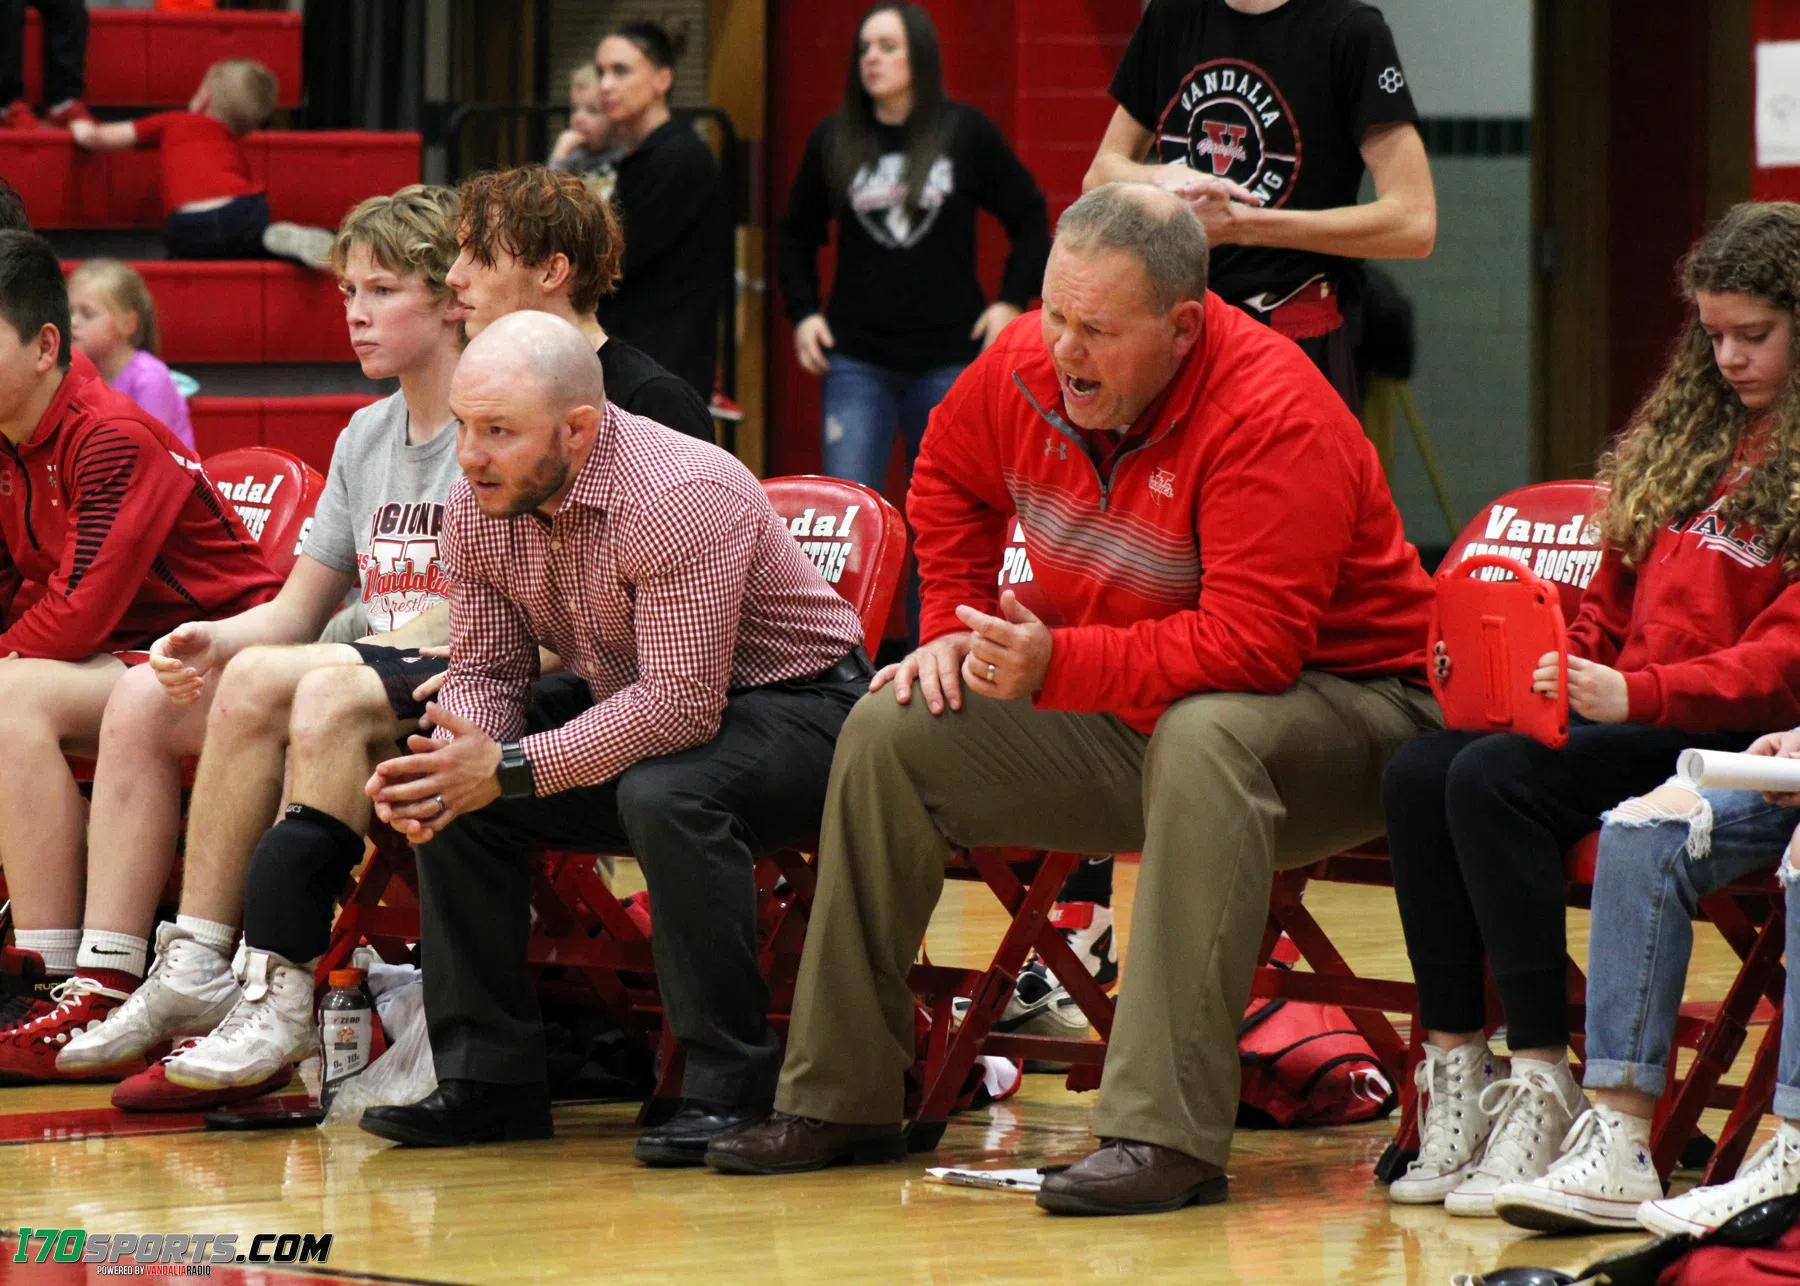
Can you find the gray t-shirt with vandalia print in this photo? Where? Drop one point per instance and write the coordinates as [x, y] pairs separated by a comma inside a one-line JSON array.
[[381, 512]]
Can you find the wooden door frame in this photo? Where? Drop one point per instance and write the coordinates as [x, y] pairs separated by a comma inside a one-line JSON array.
[[737, 83], [1569, 127]]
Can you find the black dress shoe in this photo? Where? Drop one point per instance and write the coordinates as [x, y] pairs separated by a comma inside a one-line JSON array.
[[459, 1113], [684, 1137]]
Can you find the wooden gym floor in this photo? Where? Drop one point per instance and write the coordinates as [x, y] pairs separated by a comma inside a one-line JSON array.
[[578, 1209]]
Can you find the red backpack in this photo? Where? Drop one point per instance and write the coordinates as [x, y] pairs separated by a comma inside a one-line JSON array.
[[1306, 1064]]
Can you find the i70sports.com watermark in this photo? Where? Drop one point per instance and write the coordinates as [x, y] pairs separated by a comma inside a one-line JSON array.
[[170, 1254]]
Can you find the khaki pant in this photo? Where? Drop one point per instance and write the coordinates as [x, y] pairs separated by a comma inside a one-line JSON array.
[[1230, 788]]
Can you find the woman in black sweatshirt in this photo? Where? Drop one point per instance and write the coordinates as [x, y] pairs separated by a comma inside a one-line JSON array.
[[677, 215], [903, 171]]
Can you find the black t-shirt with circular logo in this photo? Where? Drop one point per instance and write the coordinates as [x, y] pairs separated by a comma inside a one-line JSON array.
[[1278, 102]]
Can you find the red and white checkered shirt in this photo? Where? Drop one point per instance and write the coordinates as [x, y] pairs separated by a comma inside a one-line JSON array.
[[666, 580]]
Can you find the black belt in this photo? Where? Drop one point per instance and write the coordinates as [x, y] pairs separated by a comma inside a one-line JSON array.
[[854, 668], [856, 665]]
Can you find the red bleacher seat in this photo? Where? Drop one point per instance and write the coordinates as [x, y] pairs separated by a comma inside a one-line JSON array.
[[313, 177], [140, 58], [274, 492], [248, 310], [306, 426]]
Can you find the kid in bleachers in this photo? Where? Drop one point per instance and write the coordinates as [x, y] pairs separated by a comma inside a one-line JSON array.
[[1689, 635], [585, 148], [114, 320], [214, 208]]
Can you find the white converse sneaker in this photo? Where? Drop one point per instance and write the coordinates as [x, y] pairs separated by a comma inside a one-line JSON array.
[[188, 992], [1604, 1174], [1772, 1171], [1452, 1125], [1532, 1111], [270, 1027]]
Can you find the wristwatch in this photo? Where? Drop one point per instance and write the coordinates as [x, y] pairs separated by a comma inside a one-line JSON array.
[[515, 775]]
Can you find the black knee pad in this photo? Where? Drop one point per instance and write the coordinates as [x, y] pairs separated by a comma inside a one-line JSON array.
[[296, 873]]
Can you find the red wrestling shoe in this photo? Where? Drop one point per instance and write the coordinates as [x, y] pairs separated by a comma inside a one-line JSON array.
[[151, 1090], [24, 986], [28, 1049]]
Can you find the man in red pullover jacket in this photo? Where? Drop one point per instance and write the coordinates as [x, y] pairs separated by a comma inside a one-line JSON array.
[[1236, 651], [110, 535]]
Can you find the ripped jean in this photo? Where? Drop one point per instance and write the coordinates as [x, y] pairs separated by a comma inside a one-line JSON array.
[[1653, 871]]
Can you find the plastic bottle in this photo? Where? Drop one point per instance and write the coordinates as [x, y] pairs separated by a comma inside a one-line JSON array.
[[346, 1031]]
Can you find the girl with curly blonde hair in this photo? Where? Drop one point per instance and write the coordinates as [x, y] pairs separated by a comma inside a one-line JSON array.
[[1689, 635]]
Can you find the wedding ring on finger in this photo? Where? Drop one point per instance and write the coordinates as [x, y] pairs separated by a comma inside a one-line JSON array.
[[442, 806], [990, 671]]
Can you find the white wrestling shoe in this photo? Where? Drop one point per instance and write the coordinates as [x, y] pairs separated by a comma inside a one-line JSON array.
[[271, 1026], [1772, 1171], [1603, 1175], [1453, 1127], [187, 992], [1532, 1111]]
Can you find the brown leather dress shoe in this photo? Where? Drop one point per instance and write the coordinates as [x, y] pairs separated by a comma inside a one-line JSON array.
[[783, 1144], [1124, 1177]]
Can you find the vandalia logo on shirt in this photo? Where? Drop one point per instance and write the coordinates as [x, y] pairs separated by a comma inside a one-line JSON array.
[[879, 198], [1229, 120], [400, 574]]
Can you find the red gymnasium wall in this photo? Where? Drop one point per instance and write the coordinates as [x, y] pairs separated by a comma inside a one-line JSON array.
[[1773, 20], [1657, 172], [1038, 68]]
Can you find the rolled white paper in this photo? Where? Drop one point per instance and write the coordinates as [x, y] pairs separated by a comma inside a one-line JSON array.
[[1723, 770]]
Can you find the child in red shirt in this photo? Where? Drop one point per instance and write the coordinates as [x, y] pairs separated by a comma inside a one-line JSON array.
[[214, 208]]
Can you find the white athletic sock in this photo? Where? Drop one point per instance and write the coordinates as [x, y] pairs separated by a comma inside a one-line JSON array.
[[56, 947], [210, 933], [103, 950]]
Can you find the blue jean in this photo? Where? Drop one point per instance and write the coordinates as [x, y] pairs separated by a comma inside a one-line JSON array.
[[863, 405], [232, 231], [1652, 874]]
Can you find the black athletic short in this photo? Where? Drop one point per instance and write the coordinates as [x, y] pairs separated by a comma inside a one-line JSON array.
[[402, 670]]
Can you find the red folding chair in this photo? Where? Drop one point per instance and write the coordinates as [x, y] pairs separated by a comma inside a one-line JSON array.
[[587, 947], [1546, 527], [275, 494]]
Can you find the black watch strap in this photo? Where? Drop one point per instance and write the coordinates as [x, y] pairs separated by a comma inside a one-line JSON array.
[[517, 781]]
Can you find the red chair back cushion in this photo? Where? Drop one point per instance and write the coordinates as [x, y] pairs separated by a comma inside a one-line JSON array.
[[1548, 527], [855, 538], [275, 494]]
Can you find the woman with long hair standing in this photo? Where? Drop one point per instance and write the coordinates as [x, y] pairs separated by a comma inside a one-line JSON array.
[[677, 215], [903, 171]]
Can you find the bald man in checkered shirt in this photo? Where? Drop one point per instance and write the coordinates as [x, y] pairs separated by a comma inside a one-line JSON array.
[[710, 667]]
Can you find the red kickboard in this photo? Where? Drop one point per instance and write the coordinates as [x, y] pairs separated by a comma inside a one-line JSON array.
[[314, 177], [248, 310], [140, 58], [1484, 642], [307, 426]]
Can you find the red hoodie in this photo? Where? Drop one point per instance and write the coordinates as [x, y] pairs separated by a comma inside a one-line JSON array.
[[112, 536], [1706, 629], [1246, 535]]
